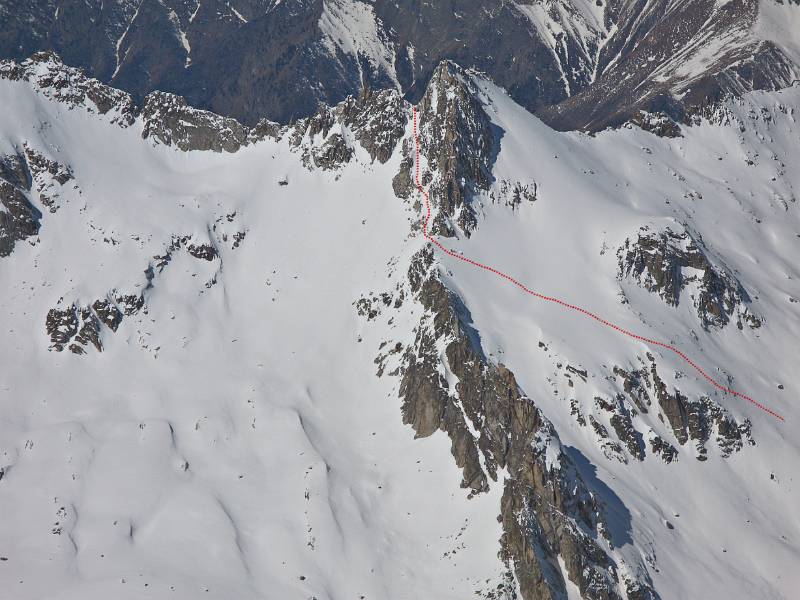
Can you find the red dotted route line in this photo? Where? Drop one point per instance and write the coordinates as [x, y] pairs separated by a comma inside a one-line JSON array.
[[562, 303]]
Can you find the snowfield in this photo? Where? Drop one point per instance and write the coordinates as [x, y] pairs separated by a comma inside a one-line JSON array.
[[233, 440]]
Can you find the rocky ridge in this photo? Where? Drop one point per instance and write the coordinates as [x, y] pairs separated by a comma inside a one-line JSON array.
[[584, 64], [375, 120], [500, 437]]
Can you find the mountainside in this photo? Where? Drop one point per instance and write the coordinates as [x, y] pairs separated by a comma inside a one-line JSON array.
[[234, 367], [576, 63]]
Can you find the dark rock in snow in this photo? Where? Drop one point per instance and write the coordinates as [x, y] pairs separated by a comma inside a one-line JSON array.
[[61, 325], [699, 419], [108, 313], [667, 263], [76, 328], [170, 120], [665, 450], [202, 251], [19, 219]]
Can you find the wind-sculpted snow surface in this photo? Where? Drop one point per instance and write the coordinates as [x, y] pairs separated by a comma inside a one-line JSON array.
[[254, 322]]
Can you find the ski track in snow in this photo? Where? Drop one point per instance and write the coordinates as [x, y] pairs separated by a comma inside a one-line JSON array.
[[562, 303]]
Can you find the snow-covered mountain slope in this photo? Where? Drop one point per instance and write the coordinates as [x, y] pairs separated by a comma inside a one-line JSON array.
[[231, 435], [210, 354]]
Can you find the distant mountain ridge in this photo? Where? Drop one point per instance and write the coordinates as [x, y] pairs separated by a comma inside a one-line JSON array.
[[579, 64]]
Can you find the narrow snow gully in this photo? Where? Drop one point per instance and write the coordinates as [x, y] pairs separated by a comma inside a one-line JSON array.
[[560, 302]]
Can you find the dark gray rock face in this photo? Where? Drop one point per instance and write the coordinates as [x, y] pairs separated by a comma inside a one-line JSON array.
[[170, 120], [635, 384], [19, 219], [89, 332], [47, 177], [403, 182], [697, 420], [14, 169], [333, 153], [660, 124], [512, 194], [167, 118], [664, 449], [547, 510], [667, 263], [108, 313], [61, 325], [378, 120], [623, 427]]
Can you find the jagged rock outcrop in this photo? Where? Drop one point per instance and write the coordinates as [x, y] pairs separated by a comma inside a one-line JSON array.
[[547, 510], [667, 263], [697, 420], [333, 153], [170, 120], [202, 250], [15, 170], [73, 327], [659, 124], [662, 448], [89, 332], [61, 325], [45, 174], [512, 194], [108, 313], [622, 431], [375, 120], [76, 327], [19, 219], [459, 145], [403, 181], [635, 384], [622, 424]]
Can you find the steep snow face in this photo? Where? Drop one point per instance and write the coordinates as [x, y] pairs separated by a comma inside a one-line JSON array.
[[228, 419], [729, 186]]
